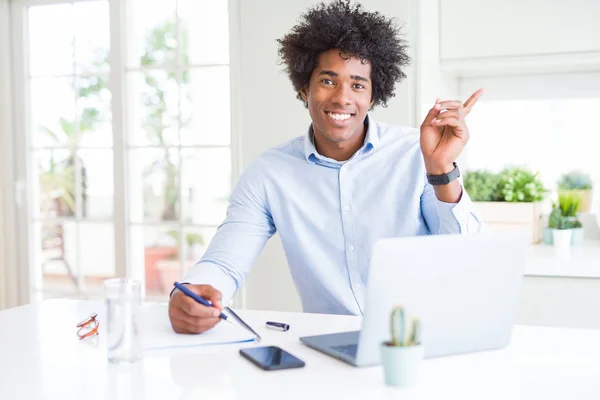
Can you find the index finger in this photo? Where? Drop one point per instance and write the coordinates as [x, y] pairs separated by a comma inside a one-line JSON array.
[[211, 294], [471, 101]]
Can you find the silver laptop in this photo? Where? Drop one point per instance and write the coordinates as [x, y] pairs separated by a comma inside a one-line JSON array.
[[464, 288]]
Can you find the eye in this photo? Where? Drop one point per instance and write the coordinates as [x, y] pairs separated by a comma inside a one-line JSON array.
[[358, 86], [327, 81]]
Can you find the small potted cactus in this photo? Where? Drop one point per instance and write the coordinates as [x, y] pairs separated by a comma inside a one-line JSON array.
[[401, 357]]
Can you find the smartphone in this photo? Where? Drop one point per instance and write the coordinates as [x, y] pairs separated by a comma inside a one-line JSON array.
[[271, 358]]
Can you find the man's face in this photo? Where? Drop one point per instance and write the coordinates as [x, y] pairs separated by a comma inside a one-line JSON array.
[[339, 96]]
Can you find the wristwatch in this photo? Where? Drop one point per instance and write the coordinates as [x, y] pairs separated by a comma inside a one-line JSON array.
[[445, 178]]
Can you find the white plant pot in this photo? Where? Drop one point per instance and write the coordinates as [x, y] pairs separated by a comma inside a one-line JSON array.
[[562, 242], [401, 365]]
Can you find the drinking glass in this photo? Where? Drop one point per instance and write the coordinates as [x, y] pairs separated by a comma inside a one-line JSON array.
[[123, 306]]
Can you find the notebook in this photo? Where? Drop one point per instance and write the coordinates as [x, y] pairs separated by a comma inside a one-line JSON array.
[[157, 332]]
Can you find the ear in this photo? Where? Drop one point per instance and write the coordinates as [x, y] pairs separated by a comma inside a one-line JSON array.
[[304, 94], [371, 105]]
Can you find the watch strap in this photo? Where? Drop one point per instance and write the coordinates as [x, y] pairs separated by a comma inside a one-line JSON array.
[[444, 179]]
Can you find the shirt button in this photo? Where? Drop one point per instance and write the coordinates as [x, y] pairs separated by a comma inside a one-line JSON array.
[[357, 286], [346, 207], [351, 248]]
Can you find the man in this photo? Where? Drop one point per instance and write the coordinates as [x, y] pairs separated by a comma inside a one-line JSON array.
[[347, 182]]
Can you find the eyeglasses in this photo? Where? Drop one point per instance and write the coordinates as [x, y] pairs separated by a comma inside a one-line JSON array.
[[88, 327]]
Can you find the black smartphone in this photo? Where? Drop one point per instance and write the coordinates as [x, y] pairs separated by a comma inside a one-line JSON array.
[[271, 358]]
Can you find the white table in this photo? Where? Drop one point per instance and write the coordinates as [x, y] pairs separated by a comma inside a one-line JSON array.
[[583, 261], [42, 358]]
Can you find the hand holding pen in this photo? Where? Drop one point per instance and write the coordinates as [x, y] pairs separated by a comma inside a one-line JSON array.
[[206, 303], [188, 315]]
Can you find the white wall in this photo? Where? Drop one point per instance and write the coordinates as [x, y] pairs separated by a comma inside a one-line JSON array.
[[271, 114], [431, 82], [509, 28]]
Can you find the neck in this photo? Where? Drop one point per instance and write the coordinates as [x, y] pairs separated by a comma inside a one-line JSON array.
[[339, 151]]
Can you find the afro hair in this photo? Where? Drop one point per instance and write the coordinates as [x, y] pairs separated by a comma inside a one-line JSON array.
[[339, 25]]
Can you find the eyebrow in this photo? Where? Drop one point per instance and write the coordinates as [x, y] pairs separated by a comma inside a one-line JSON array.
[[335, 74]]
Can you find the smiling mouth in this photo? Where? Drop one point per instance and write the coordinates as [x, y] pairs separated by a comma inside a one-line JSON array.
[[340, 117]]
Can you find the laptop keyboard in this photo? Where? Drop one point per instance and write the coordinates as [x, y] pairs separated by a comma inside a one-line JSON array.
[[347, 349]]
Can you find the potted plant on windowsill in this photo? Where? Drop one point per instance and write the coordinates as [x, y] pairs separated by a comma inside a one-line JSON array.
[[580, 184], [561, 236], [401, 357], [564, 217], [509, 200]]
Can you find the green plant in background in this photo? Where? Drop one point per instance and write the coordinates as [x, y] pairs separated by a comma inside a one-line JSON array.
[[191, 239], [564, 213], [574, 223], [482, 185], [512, 184], [575, 180], [57, 183], [555, 221], [558, 221], [520, 185], [398, 329], [569, 204], [58, 180], [161, 46]]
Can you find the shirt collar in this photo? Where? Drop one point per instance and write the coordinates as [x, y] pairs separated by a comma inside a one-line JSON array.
[[371, 141]]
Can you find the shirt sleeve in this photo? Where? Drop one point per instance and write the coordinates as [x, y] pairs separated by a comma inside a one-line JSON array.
[[444, 218], [238, 241]]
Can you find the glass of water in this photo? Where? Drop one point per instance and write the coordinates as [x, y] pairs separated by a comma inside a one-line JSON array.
[[123, 305]]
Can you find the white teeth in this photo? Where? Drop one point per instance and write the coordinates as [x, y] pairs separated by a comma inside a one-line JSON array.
[[339, 117]]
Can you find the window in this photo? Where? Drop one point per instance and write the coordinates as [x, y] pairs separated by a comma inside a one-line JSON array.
[[542, 121], [127, 147]]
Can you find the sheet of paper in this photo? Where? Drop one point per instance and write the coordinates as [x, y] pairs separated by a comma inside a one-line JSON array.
[[158, 333]]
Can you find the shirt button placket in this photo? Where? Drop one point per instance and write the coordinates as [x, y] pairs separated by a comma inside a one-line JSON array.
[[347, 226]]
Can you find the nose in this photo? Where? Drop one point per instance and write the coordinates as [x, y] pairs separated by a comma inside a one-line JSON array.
[[342, 96]]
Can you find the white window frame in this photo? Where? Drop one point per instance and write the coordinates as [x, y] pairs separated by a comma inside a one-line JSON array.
[[13, 285], [25, 248]]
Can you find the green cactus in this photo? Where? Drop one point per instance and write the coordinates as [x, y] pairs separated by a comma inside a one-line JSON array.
[[398, 329], [555, 220], [415, 334], [397, 326]]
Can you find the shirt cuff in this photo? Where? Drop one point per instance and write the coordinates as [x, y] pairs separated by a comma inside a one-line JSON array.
[[206, 273], [457, 217]]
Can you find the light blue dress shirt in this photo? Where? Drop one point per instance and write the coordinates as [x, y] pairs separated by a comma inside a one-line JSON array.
[[328, 215]]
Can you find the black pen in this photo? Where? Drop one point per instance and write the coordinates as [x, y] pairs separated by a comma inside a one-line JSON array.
[[278, 326]]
